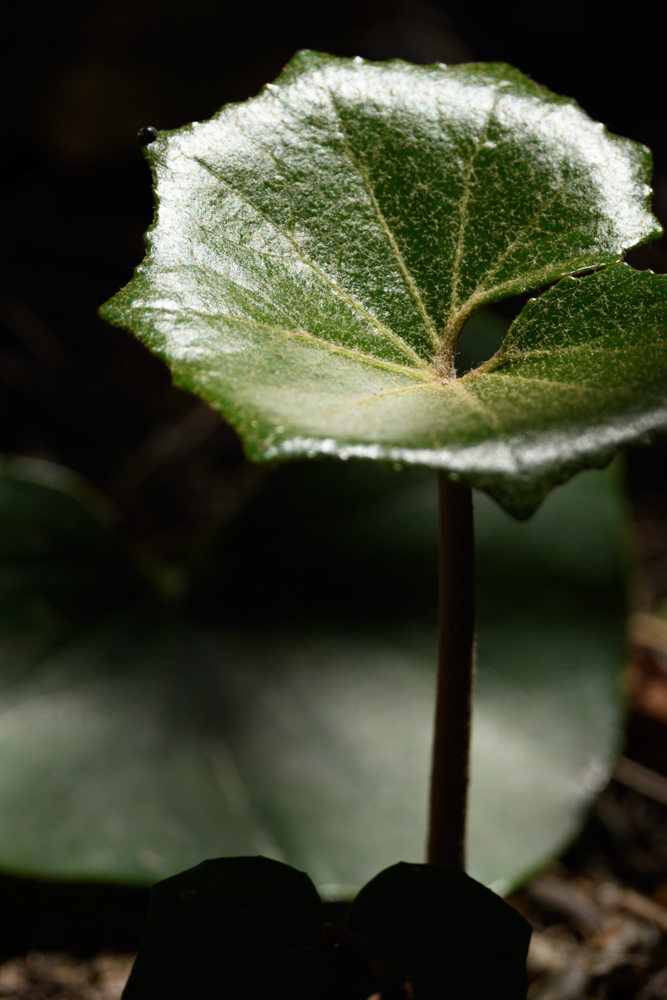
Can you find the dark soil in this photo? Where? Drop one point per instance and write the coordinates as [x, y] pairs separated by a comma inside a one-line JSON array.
[[38, 976]]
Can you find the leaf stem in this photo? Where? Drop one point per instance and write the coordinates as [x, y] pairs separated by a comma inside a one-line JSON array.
[[449, 778]]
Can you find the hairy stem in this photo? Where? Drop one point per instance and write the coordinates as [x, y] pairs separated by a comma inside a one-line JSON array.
[[449, 778]]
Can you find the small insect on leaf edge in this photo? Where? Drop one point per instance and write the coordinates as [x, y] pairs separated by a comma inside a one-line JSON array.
[[146, 134]]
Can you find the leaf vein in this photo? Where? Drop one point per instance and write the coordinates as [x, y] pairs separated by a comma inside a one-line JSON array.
[[388, 334], [509, 375], [363, 400], [410, 282], [520, 237], [475, 403], [464, 213], [349, 352]]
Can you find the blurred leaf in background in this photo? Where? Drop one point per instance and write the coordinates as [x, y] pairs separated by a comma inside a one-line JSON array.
[[283, 705]]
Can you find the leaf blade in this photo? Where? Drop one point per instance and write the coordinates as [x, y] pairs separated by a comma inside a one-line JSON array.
[[351, 217]]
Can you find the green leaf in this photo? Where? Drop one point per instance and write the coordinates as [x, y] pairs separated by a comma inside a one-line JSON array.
[[581, 373], [318, 249], [155, 737], [252, 927]]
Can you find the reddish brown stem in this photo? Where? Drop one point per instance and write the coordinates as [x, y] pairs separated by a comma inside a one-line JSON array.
[[449, 778]]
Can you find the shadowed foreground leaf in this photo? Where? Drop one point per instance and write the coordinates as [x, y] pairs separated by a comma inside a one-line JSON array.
[[252, 927], [443, 932], [318, 249]]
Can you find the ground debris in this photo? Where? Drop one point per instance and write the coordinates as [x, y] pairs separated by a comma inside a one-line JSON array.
[[593, 938], [599, 915], [54, 976]]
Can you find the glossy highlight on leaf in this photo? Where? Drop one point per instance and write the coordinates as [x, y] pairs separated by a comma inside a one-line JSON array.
[[318, 249]]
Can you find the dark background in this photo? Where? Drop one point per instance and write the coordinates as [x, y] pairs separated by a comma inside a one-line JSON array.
[[79, 80]]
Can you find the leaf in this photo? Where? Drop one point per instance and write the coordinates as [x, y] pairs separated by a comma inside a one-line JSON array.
[[252, 927], [444, 933], [318, 249], [582, 372], [61, 564], [247, 927], [289, 713]]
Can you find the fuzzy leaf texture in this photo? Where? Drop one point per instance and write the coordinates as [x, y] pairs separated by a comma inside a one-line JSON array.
[[318, 249]]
